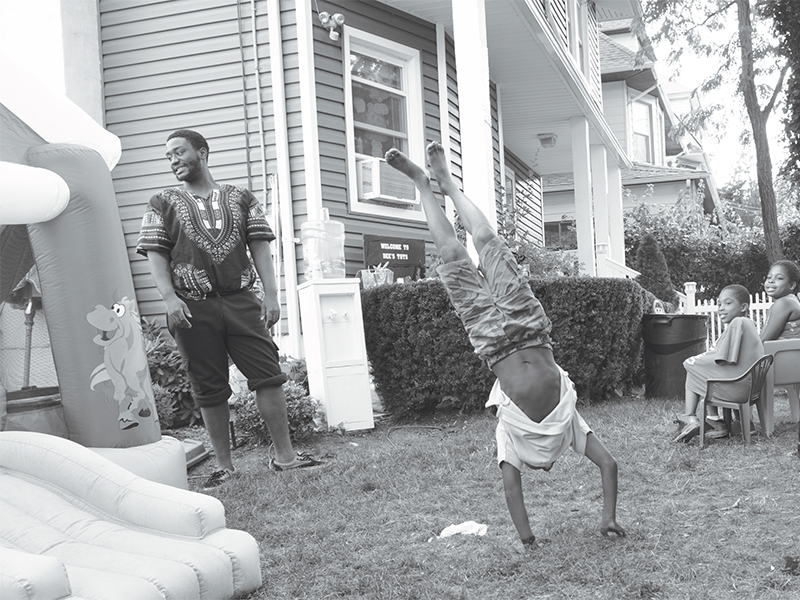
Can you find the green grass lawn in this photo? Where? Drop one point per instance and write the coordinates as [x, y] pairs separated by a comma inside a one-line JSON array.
[[715, 524]]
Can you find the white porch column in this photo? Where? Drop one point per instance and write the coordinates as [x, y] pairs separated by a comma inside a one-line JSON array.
[[581, 172], [600, 201], [308, 102], [472, 61], [82, 66], [616, 224], [57, 42]]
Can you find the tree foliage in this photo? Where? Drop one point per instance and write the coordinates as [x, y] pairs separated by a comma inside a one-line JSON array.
[[746, 53], [697, 249], [786, 16]]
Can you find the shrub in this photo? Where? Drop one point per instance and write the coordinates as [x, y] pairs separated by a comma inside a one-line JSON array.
[[165, 406], [301, 411], [652, 265], [420, 354], [167, 371], [697, 249], [296, 370], [597, 332], [418, 350]]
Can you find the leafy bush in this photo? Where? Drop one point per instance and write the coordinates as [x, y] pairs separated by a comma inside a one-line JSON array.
[[165, 406], [696, 248], [652, 265], [597, 332], [296, 370], [167, 372], [420, 354], [301, 411]]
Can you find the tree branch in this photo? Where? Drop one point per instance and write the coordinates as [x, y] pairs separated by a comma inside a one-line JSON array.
[[771, 104], [710, 16]]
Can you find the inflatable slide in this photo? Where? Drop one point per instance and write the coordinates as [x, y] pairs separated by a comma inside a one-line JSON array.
[[73, 522]]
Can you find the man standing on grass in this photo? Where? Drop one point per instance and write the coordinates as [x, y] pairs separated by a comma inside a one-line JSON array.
[[196, 238]]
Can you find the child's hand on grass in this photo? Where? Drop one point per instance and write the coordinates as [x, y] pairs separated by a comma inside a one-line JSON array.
[[532, 544], [611, 526]]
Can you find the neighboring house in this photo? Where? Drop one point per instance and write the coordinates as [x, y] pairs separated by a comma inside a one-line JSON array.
[[512, 88], [641, 115]]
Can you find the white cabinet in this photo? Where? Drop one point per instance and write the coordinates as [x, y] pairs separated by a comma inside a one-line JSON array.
[[336, 355]]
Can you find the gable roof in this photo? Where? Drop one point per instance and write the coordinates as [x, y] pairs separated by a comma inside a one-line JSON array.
[[639, 173], [616, 58]]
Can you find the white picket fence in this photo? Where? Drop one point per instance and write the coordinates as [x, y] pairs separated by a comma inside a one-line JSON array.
[[759, 305]]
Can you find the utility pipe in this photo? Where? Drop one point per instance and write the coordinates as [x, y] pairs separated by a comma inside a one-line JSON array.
[[282, 179]]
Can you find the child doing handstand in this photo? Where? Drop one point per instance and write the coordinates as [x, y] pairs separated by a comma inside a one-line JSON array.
[[535, 400], [734, 353], [783, 322]]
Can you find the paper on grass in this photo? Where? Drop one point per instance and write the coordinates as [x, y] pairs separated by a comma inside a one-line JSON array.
[[465, 528]]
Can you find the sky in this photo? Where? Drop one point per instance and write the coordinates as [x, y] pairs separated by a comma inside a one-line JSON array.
[[724, 145], [726, 153]]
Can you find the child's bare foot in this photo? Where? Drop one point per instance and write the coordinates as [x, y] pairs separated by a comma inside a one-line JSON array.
[[402, 163], [438, 162]]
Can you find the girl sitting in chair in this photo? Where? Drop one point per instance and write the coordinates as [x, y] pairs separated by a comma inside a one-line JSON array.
[[783, 322], [737, 349]]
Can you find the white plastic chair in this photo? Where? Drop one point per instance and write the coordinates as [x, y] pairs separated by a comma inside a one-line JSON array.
[[756, 374], [785, 373]]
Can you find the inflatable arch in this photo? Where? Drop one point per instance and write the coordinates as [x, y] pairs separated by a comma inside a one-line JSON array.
[[58, 209]]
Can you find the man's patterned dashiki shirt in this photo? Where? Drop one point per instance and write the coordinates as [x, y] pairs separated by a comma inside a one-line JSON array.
[[205, 238]]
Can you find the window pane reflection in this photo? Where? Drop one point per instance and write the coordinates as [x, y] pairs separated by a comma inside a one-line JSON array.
[[379, 108], [373, 69], [372, 143]]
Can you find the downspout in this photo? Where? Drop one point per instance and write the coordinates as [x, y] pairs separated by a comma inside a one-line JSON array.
[[261, 146], [444, 114], [282, 180], [244, 98]]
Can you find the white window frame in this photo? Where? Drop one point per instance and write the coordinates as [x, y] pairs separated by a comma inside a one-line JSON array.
[[409, 59], [577, 34], [651, 105], [510, 188]]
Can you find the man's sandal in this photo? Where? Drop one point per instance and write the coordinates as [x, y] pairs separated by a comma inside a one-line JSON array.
[[301, 460]]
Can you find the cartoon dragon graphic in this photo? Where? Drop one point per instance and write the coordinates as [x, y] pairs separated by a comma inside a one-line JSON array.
[[124, 359]]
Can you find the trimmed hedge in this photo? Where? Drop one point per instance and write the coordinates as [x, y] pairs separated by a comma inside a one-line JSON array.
[[421, 357], [419, 352]]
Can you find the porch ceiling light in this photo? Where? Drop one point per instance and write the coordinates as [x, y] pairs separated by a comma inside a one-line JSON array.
[[547, 140]]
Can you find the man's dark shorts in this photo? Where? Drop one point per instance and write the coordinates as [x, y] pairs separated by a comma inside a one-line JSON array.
[[222, 326]]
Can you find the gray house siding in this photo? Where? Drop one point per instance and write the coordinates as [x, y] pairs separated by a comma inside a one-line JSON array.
[[615, 110], [394, 25], [528, 199], [595, 82], [171, 65]]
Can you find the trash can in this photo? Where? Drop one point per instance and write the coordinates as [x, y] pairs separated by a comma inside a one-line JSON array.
[[36, 409], [669, 339]]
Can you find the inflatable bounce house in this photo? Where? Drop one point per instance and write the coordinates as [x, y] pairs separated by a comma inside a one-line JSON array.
[[93, 501]]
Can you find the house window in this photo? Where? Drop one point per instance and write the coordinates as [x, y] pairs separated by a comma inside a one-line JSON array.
[[577, 30], [642, 132], [560, 235], [383, 111], [510, 189], [507, 216]]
